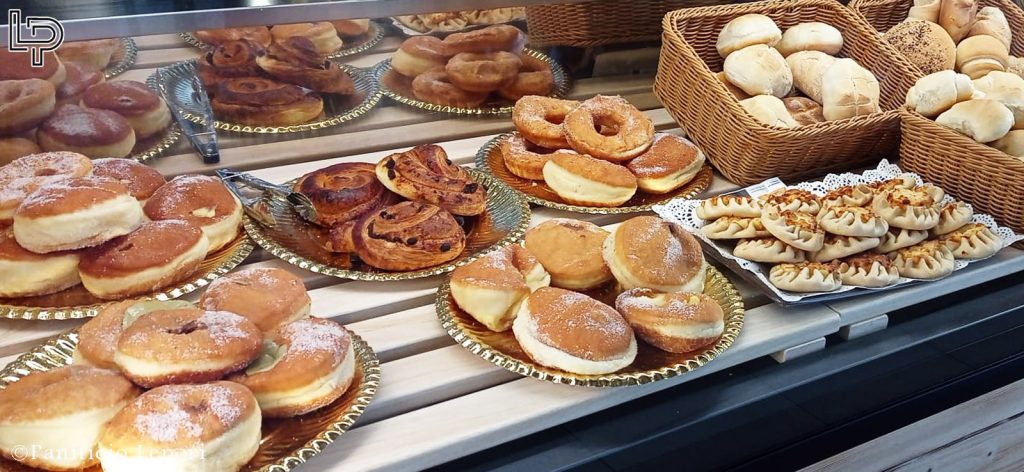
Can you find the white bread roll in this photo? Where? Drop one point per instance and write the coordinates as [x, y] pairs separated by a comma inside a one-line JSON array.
[[770, 110], [992, 22], [938, 92], [981, 119], [978, 55], [1006, 88], [924, 44], [1016, 66], [747, 30], [808, 67], [1012, 143], [927, 10], [813, 36], [849, 90], [957, 16], [734, 90], [759, 70]]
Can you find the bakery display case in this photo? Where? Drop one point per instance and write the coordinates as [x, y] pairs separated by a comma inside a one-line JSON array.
[[544, 235]]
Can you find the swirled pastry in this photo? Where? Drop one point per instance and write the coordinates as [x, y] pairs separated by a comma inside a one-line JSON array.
[[491, 288], [852, 221], [295, 60], [898, 238], [907, 208], [256, 34], [424, 173], [868, 270], [795, 228], [769, 250], [227, 60], [838, 247], [408, 236], [321, 34], [729, 205], [972, 241], [927, 260], [731, 227], [806, 277], [850, 195], [952, 217], [343, 192], [793, 200], [264, 102]]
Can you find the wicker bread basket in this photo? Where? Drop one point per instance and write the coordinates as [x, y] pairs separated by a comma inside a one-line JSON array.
[[747, 151]]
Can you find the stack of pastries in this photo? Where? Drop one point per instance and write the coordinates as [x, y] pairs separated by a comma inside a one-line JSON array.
[[328, 37], [448, 22], [465, 70], [407, 212], [766, 70], [864, 235], [598, 152], [69, 107], [113, 225], [168, 385], [546, 291]]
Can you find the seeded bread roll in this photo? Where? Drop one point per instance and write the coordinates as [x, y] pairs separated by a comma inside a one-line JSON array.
[[924, 44]]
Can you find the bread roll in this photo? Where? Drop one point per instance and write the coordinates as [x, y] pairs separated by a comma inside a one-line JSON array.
[[848, 90], [992, 22], [804, 110], [734, 90], [981, 119], [1016, 66], [936, 93], [813, 36], [747, 30], [1006, 88], [1012, 143], [957, 16], [770, 110], [924, 44], [978, 55], [808, 67], [927, 10], [759, 70]]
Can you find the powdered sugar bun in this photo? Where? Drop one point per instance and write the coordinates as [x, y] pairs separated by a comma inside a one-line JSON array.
[[491, 288], [268, 297]]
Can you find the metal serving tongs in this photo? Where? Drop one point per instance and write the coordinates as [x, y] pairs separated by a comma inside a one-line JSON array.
[[256, 207], [203, 136]]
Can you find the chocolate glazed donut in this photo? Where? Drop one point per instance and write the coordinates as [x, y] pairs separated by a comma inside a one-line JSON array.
[[425, 174], [343, 192], [408, 236]]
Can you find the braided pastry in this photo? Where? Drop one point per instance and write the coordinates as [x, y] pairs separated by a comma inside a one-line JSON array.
[[296, 61], [425, 174], [408, 236], [258, 101], [343, 192], [229, 59]]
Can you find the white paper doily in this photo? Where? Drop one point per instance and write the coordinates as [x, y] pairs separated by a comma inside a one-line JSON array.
[[684, 213]]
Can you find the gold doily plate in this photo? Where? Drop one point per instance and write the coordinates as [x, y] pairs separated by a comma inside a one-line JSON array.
[[537, 192], [285, 443], [651, 364], [399, 88], [122, 59], [153, 146], [338, 109], [300, 243], [76, 302], [351, 45]]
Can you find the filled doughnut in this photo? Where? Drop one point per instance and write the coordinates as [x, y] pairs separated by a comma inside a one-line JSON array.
[[570, 250], [15, 148], [673, 322], [89, 131], [142, 180], [425, 174], [671, 162], [18, 66], [539, 119], [26, 174], [633, 131], [304, 366], [96, 53], [419, 54], [145, 111], [24, 273], [80, 78], [202, 201], [648, 252], [97, 339], [534, 78], [490, 39], [491, 288], [583, 180], [526, 159], [266, 296], [482, 72], [435, 86], [24, 104], [186, 345], [343, 192], [157, 255]]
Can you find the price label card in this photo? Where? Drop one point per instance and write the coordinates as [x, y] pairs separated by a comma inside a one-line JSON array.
[[759, 189]]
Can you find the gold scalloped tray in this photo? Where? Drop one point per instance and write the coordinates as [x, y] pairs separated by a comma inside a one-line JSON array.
[[362, 42], [338, 109], [298, 242], [537, 192], [122, 59], [285, 443], [651, 364], [153, 146], [399, 88], [76, 302]]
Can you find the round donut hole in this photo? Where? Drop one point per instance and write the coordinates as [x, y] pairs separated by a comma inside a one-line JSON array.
[[45, 172], [555, 119]]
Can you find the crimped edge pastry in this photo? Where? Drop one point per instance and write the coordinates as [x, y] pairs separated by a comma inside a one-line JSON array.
[[927, 260], [972, 241], [838, 247], [731, 227], [907, 208], [795, 228], [728, 205], [952, 217], [806, 277], [868, 270], [768, 250], [899, 238], [852, 221], [850, 195], [793, 199]]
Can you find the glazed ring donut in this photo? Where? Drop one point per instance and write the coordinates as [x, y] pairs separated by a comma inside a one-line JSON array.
[[435, 86], [25, 104], [634, 132], [483, 72], [539, 120], [534, 78], [526, 159], [490, 39]]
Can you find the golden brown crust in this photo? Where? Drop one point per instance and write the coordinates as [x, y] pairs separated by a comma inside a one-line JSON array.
[[634, 131], [18, 66], [649, 313], [79, 78], [850, 195], [539, 120], [97, 339], [257, 34], [12, 149], [793, 199], [47, 165], [903, 198], [95, 53], [435, 86], [801, 220], [667, 155], [424, 173], [354, 27], [69, 195], [864, 261], [142, 180], [569, 249], [578, 325], [154, 244], [229, 59], [504, 268], [408, 236], [264, 102], [534, 78], [266, 296], [24, 104], [489, 39], [343, 192], [198, 199], [657, 251], [45, 395], [524, 158], [296, 61], [313, 348], [482, 72], [126, 97], [320, 33], [595, 170], [72, 125]]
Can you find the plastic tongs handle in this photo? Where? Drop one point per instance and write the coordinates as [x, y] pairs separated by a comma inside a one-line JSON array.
[[203, 136]]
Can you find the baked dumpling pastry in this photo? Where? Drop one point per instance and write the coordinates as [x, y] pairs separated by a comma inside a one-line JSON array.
[[933, 191], [927, 260], [728, 205], [838, 247], [798, 229], [952, 217], [903, 181], [898, 238], [907, 208], [806, 277], [850, 195], [794, 200], [852, 221], [769, 250], [731, 227], [972, 241], [868, 270]]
